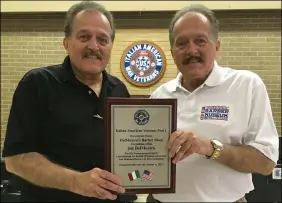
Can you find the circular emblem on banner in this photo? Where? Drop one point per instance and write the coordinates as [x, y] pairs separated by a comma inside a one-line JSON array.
[[143, 63], [141, 117]]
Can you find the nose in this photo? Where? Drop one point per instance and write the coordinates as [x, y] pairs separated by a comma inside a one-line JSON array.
[[192, 49], [93, 45]]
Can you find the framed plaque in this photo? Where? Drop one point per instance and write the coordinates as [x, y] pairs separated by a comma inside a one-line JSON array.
[[137, 131]]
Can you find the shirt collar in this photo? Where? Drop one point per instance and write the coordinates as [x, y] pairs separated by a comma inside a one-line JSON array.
[[68, 75], [214, 79]]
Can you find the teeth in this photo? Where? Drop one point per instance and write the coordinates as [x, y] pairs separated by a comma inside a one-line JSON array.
[[194, 61], [93, 57]]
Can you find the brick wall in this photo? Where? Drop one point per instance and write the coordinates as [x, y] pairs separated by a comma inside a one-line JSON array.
[[250, 40]]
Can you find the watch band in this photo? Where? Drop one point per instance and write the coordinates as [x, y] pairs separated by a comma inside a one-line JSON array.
[[218, 147]]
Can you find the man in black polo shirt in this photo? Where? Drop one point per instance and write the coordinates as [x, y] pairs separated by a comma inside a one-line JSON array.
[[55, 132]]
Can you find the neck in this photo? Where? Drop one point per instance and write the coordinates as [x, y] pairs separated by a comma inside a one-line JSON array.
[[89, 80], [193, 83]]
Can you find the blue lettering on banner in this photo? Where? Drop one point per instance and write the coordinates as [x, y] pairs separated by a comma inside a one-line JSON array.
[[143, 63]]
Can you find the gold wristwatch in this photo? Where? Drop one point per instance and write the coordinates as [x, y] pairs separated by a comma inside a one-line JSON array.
[[218, 147]]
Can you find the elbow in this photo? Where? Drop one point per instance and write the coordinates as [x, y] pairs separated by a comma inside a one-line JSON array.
[[9, 165], [268, 168], [266, 172]]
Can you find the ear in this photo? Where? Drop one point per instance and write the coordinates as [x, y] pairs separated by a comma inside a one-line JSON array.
[[172, 54], [66, 44], [217, 46]]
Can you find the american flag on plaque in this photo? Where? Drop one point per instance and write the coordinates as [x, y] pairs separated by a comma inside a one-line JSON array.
[[147, 175]]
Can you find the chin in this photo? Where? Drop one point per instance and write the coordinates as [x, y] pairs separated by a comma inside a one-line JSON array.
[[93, 70], [193, 69], [194, 66]]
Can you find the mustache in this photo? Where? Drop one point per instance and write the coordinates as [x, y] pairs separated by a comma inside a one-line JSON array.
[[188, 59], [93, 53]]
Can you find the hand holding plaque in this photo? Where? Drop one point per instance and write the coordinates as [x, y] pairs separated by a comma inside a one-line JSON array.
[[97, 183], [137, 131]]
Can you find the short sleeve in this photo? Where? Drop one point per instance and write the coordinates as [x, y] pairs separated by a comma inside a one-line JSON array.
[[122, 90], [262, 133], [127, 95], [22, 134], [153, 95], [156, 94]]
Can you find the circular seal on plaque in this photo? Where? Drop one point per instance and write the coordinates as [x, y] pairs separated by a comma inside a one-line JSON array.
[[141, 117], [143, 63]]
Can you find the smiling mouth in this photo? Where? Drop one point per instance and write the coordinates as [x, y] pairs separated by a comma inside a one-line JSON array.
[[92, 56], [192, 60]]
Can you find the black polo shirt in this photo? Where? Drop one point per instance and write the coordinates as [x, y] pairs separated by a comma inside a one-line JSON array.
[[54, 114]]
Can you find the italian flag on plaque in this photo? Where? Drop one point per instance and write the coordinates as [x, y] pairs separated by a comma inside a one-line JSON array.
[[134, 175]]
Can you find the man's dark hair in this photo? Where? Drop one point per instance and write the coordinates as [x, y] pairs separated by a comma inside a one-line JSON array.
[[87, 6], [194, 9]]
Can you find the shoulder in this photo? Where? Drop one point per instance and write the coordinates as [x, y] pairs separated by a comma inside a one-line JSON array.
[[165, 90], [42, 73], [242, 77], [120, 88], [115, 80]]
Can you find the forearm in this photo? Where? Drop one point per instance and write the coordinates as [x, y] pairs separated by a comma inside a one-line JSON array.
[[38, 170], [246, 159]]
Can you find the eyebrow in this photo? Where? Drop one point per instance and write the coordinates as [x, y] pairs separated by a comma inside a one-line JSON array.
[[83, 31], [105, 35], [199, 35]]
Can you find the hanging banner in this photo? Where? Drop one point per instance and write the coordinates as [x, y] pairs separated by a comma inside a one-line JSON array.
[[143, 63]]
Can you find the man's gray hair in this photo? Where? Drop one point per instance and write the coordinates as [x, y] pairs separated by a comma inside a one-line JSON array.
[[87, 6], [209, 14]]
